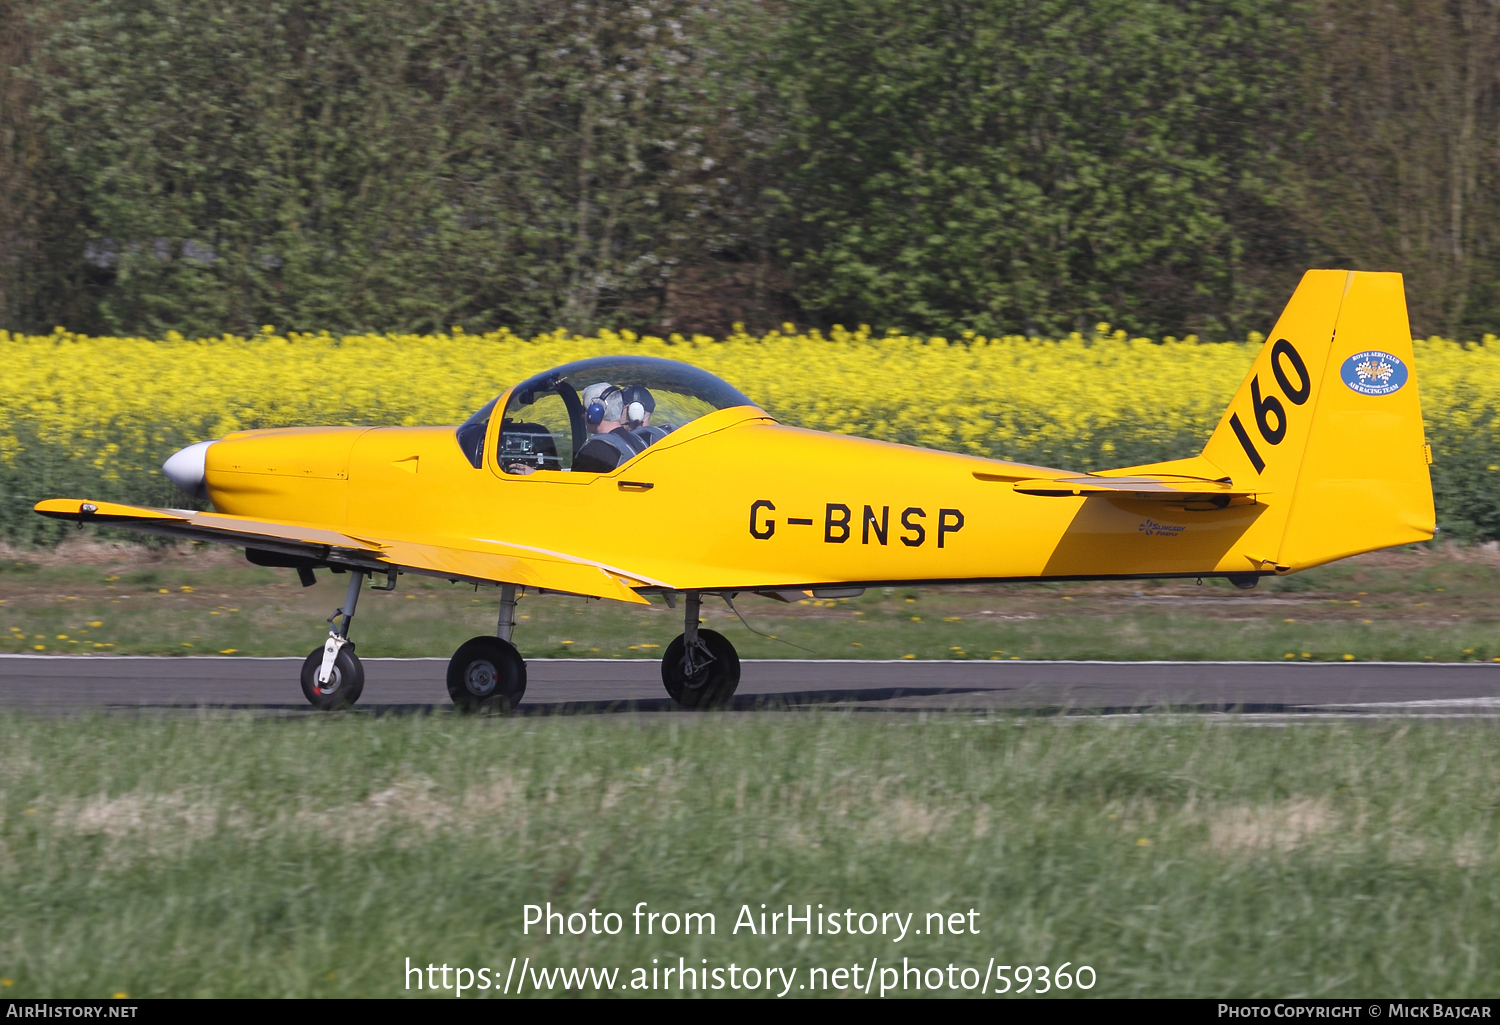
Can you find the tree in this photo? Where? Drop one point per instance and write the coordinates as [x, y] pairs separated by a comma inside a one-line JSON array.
[[364, 164], [1396, 164], [1007, 167]]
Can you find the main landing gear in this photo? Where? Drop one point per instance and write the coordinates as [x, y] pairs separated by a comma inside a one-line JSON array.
[[701, 669], [488, 673]]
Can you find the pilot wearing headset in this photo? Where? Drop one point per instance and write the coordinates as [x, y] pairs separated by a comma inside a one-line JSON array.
[[611, 443]]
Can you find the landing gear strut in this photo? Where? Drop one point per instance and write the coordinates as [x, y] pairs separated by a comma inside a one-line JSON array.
[[700, 668], [488, 673], [332, 676]]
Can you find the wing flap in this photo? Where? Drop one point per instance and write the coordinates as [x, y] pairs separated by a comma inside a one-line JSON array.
[[586, 578]]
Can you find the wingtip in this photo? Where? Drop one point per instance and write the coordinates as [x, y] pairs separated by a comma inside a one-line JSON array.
[[83, 509], [64, 507]]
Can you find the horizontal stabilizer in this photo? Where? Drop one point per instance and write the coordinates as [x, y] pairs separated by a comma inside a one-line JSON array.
[[1153, 488]]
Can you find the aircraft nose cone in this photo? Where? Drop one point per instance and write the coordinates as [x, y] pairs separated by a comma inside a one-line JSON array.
[[184, 468]]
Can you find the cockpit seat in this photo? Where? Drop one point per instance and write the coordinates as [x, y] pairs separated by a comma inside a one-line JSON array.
[[603, 452]]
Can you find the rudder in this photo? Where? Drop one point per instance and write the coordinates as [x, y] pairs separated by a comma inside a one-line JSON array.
[[1364, 482]]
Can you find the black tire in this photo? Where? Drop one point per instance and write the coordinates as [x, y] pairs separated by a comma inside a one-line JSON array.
[[711, 685], [345, 683], [486, 674]]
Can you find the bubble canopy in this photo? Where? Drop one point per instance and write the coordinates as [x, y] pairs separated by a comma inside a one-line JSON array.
[[545, 421]]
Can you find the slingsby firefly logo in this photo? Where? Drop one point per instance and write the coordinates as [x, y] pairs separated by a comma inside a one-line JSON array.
[[1373, 372]]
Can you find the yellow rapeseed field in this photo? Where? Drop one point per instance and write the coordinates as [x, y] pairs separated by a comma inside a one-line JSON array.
[[116, 407]]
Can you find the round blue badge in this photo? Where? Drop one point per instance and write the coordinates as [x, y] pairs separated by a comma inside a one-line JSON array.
[[1373, 372]]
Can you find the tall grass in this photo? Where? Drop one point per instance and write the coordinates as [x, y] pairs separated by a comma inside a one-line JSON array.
[[261, 857]]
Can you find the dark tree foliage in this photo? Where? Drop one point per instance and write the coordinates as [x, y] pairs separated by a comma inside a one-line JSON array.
[[43, 279], [367, 164], [1168, 166], [1396, 164], [1026, 167]]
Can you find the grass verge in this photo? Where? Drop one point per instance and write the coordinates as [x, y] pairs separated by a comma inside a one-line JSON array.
[[1414, 605], [229, 856]]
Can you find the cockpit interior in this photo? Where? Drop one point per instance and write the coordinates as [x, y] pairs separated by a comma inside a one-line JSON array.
[[593, 415]]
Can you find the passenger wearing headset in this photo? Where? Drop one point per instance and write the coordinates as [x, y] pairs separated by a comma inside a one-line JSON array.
[[639, 405], [611, 443]]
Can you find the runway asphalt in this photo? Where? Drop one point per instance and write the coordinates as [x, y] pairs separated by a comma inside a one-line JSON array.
[[62, 683]]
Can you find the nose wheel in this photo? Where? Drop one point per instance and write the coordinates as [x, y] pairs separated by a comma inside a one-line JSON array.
[[332, 676], [345, 682], [701, 669]]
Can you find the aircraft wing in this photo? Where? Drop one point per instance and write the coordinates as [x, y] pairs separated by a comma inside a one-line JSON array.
[[480, 560], [1162, 488]]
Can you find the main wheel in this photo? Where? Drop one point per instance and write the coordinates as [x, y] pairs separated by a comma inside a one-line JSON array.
[[344, 685], [486, 674], [715, 674]]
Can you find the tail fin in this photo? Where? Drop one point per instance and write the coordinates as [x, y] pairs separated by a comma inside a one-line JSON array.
[[1328, 422]]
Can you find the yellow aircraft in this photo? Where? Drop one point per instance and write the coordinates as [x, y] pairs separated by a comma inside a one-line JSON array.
[[634, 478]]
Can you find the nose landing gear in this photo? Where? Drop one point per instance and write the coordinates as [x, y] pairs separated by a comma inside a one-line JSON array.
[[700, 669], [332, 676]]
